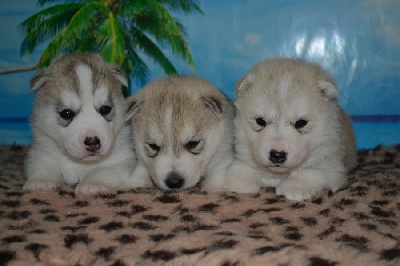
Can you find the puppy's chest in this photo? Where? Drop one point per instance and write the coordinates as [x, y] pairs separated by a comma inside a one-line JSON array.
[[74, 173]]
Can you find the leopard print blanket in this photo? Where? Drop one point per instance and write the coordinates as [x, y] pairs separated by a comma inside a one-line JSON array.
[[358, 225]]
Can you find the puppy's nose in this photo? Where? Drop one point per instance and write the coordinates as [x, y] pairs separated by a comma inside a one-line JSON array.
[[92, 143], [277, 156], [174, 180]]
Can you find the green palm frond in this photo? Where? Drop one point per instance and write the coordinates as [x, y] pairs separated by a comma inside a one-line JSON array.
[[110, 38], [44, 25], [119, 30]]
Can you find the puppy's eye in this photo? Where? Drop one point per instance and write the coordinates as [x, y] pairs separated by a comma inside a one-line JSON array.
[[67, 114], [300, 123], [261, 122], [154, 147], [105, 110], [192, 144]]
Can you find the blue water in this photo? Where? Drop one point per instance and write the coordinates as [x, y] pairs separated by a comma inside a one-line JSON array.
[[368, 134]]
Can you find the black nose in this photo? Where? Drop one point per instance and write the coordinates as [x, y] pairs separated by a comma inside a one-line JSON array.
[[174, 180], [92, 143], [277, 156]]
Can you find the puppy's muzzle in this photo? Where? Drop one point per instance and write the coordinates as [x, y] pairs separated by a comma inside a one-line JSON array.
[[92, 144], [277, 157], [174, 180]]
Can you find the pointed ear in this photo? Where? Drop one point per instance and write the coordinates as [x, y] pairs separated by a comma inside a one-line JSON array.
[[39, 80], [119, 75], [328, 89], [215, 104], [244, 84], [132, 106]]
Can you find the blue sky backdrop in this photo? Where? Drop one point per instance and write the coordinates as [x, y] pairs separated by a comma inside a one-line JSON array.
[[357, 41]]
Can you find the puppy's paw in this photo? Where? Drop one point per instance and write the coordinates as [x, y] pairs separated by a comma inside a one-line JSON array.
[[39, 184], [295, 190], [91, 188], [241, 185]]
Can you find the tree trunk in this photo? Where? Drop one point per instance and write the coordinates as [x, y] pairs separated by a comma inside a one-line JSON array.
[[17, 69]]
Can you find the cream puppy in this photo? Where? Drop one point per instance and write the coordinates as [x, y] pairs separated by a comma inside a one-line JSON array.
[[291, 133], [182, 128], [79, 133]]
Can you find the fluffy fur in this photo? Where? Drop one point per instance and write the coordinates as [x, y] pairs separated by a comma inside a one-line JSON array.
[[291, 133], [79, 133], [182, 127]]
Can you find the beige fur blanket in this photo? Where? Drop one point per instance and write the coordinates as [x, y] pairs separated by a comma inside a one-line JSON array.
[[358, 225]]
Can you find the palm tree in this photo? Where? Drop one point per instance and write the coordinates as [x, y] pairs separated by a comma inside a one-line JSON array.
[[118, 29]]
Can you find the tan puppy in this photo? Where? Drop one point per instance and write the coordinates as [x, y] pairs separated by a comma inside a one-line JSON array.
[[290, 131], [79, 134], [182, 128]]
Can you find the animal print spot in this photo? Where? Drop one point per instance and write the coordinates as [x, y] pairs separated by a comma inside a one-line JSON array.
[[298, 205], [13, 239], [161, 237], [73, 228], [143, 226], [47, 211], [38, 202], [231, 220], [317, 201], [89, 220], [222, 244], [192, 251], [52, 218], [81, 203], [105, 252], [157, 255], [309, 221], [390, 254], [189, 218], [6, 256], [324, 212], [256, 225], [64, 193], [273, 200], [10, 203], [209, 207], [126, 239], [138, 209], [35, 248], [231, 263], [315, 261], [381, 213], [359, 216], [111, 226], [168, 199], [387, 222], [292, 233], [278, 220], [359, 243], [268, 249], [358, 191], [118, 203], [155, 218], [19, 215], [70, 240], [327, 232]]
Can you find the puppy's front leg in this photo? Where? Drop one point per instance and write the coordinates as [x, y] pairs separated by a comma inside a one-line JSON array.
[[102, 179], [304, 184], [42, 175], [139, 178], [242, 178]]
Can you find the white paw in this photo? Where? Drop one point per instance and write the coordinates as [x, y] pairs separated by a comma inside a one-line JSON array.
[[39, 184], [294, 190], [91, 188]]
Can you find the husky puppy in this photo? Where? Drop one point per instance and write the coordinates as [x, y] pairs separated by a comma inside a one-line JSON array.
[[79, 134], [182, 129], [291, 133]]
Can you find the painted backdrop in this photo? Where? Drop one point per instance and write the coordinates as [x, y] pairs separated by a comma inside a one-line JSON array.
[[357, 41]]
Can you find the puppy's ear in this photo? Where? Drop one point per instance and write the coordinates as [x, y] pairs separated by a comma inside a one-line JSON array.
[[39, 80], [119, 75], [328, 90], [215, 104], [243, 85], [132, 106]]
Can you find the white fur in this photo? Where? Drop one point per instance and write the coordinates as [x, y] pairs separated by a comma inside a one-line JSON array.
[[171, 130], [283, 91], [58, 154]]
